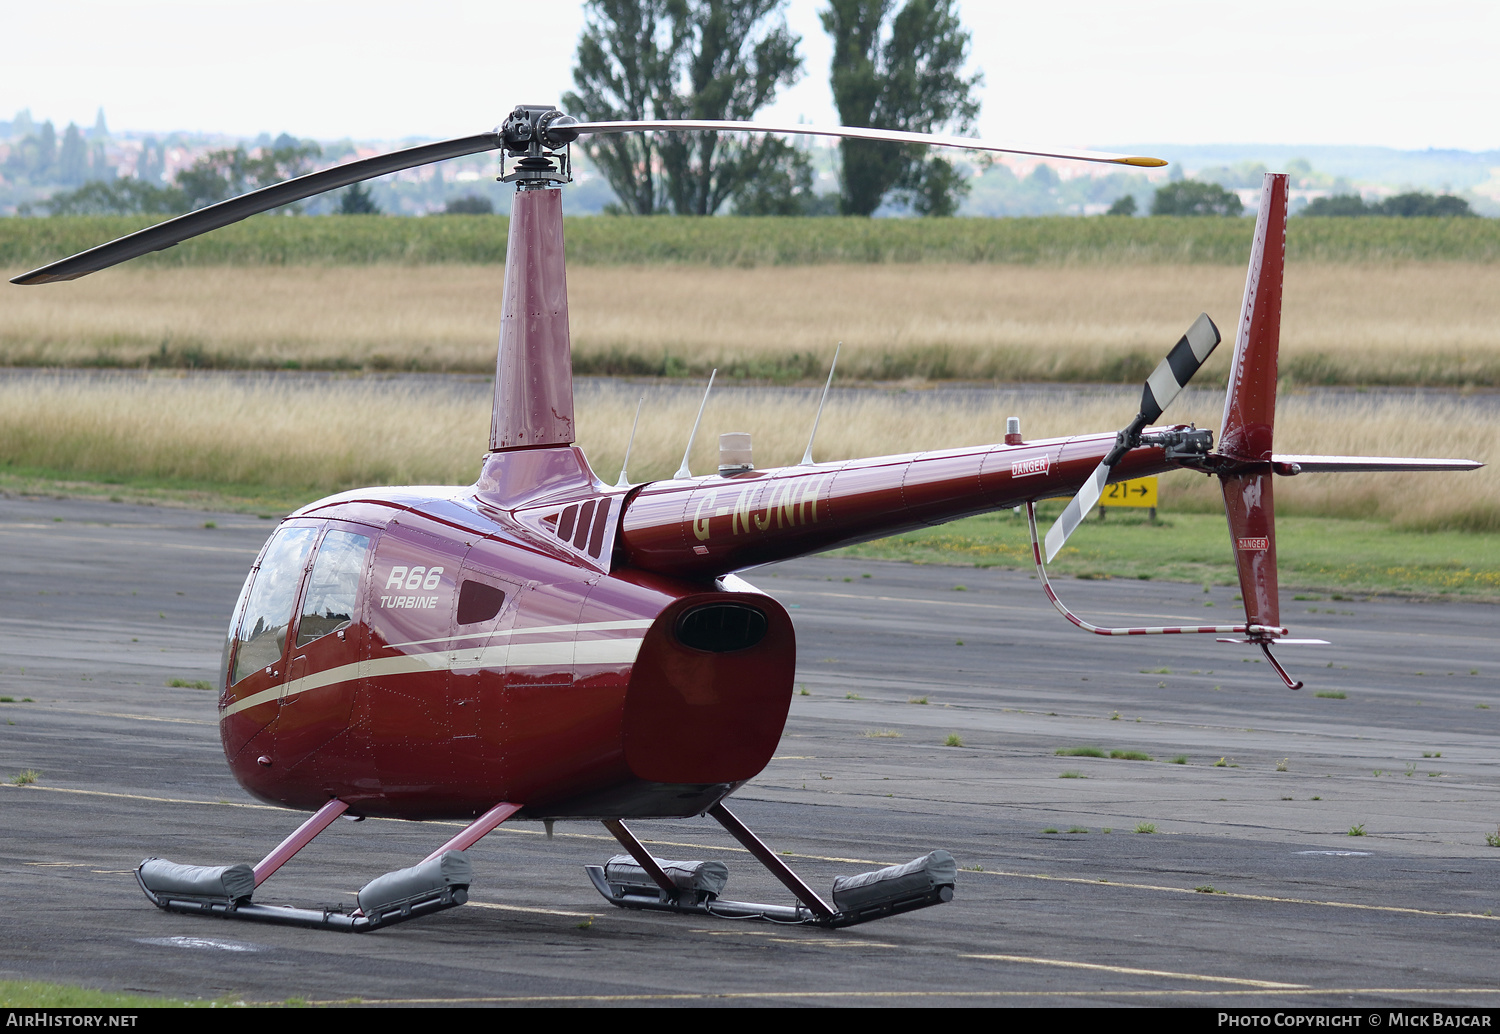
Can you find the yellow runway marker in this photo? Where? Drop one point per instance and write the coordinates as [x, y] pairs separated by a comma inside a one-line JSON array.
[[1398, 909], [241, 550], [143, 797], [1133, 972], [529, 908], [136, 717]]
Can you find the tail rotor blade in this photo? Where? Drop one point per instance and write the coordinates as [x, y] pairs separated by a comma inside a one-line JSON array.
[[1165, 384], [1077, 509], [1173, 373]]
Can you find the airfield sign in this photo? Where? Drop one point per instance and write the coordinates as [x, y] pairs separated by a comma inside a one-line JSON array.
[[1139, 492]]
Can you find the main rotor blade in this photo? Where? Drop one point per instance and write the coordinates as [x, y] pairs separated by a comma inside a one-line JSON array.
[[856, 133], [173, 231]]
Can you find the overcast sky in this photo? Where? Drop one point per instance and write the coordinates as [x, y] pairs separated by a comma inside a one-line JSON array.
[[1086, 73]]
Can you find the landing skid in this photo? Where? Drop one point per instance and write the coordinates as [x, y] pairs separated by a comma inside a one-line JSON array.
[[438, 882], [692, 888], [435, 899]]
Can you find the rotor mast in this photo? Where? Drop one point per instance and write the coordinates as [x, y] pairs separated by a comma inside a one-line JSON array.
[[534, 366]]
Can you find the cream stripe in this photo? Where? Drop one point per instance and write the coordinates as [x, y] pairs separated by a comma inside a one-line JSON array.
[[621, 650], [1131, 971], [591, 626]]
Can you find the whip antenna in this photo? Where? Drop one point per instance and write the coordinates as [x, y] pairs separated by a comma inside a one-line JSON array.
[[682, 471], [623, 482], [807, 456]]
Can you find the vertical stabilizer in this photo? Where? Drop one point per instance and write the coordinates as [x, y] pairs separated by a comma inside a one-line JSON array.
[[1250, 412], [534, 371], [1250, 406]]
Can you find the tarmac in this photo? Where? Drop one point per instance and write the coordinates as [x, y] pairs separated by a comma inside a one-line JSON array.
[[1282, 849]]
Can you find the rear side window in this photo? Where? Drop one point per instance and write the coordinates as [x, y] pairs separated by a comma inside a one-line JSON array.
[[262, 634], [478, 602], [333, 589]]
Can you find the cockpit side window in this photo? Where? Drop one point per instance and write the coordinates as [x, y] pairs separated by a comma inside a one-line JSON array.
[[262, 632], [333, 590]]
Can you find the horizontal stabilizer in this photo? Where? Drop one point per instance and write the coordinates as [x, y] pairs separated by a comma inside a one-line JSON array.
[[1334, 464], [1292, 642]]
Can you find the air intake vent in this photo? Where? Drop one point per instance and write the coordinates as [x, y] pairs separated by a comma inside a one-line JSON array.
[[584, 526], [722, 627]]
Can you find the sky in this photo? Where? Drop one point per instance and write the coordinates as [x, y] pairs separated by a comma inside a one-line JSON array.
[[1091, 73]]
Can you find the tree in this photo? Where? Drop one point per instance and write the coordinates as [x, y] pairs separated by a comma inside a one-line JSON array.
[[470, 204], [1419, 205], [908, 77], [220, 175], [46, 149], [120, 197], [731, 59], [1411, 205], [624, 60], [357, 201], [1124, 205], [785, 188], [1337, 205], [1189, 197], [72, 158], [672, 59]]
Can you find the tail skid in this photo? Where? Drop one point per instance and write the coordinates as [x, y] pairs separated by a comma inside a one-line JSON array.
[[1260, 635]]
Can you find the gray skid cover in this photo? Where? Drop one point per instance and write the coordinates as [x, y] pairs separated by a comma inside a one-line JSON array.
[[924, 874], [451, 869], [706, 877], [217, 883]]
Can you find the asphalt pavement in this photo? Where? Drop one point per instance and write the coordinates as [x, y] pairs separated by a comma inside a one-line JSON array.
[[1279, 848]]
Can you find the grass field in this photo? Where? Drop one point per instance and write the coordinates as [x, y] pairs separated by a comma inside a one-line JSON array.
[[1317, 554], [270, 443], [1409, 324], [745, 242], [34, 994]]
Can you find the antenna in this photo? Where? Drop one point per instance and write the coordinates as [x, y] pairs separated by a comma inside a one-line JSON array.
[[623, 482], [807, 456], [682, 471]]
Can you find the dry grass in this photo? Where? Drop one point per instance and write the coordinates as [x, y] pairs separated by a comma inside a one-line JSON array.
[[1432, 323], [313, 434]]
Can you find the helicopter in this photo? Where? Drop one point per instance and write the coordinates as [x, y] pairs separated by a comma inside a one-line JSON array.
[[543, 646]]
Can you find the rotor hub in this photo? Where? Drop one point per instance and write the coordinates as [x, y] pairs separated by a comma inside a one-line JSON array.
[[539, 135]]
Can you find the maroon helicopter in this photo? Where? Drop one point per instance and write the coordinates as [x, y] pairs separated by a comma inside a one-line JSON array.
[[542, 645]]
